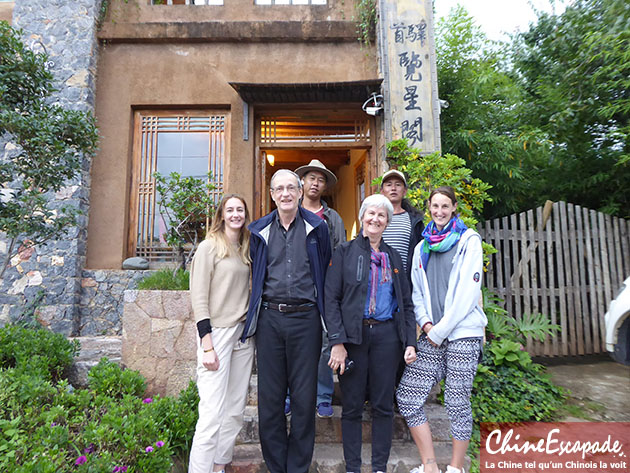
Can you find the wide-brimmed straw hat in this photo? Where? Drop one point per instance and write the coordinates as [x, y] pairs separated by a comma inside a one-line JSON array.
[[316, 165]]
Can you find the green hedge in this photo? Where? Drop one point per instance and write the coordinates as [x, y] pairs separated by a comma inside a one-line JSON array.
[[48, 426]]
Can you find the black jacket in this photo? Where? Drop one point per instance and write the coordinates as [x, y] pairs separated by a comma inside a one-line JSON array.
[[417, 227], [347, 290]]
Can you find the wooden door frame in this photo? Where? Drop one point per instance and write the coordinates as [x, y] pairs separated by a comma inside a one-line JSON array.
[[306, 111]]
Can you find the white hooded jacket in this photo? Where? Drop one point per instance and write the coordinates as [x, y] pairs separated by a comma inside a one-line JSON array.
[[463, 316]]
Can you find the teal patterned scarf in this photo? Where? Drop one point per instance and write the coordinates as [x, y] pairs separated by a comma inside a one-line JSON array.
[[442, 240]]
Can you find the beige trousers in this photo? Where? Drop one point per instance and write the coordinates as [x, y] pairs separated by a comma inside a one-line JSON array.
[[222, 399]]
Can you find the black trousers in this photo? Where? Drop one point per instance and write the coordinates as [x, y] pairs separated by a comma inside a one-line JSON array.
[[375, 366], [288, 349]]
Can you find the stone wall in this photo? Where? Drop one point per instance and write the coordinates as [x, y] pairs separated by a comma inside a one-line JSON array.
[[101, 302], [159, 339], [66, 31]]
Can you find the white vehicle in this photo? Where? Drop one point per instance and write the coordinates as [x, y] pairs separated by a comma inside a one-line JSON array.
[[618, 325]]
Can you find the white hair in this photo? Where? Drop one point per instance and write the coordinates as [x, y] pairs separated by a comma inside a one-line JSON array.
[[377, 200], [286, 171]]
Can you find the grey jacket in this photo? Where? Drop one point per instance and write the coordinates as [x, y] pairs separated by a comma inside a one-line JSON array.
[[336, 229]]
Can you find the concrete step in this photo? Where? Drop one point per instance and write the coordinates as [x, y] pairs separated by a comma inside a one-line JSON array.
[[328, 458], [329, 430], [252, 394]]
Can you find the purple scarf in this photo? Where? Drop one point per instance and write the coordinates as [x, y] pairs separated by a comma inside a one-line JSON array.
[[377, 258]]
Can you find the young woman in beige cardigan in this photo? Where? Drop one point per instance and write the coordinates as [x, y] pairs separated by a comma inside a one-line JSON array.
[[219, 289]]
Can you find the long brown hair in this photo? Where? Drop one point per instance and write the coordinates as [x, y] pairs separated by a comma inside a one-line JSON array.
[[217, 231]]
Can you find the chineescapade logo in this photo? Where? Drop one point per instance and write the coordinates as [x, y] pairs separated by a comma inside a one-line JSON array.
[[561, 447]]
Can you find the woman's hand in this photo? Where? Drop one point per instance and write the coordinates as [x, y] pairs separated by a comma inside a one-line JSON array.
[[210, 360], [410, 354], [338, 355], [427, 328]]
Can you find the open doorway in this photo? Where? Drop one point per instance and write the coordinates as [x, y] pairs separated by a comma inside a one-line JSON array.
[[341, 139], [350, 167]]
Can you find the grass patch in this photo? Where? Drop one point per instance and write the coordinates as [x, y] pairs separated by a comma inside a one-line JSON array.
[[166, 280], [586, 409]]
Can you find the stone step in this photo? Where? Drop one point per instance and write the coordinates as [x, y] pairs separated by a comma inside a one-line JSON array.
[[329, 430], [328, 458], [252, 394], [91, 352]]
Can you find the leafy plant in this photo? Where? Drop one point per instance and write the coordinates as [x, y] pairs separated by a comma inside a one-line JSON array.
[[425, 173], [366, 20], [48, 144], [508, 351], [48, 426], [502, 326], [166, 280], [38, 351], [109, 379], [509, 386], [187, 204]]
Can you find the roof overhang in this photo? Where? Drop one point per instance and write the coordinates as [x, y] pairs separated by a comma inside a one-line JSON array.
[[355, 91]]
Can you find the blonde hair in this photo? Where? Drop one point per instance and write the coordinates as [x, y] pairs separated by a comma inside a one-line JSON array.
[[217, 232]]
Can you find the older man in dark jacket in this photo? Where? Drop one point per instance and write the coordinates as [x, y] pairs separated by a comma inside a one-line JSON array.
[[290, 251]]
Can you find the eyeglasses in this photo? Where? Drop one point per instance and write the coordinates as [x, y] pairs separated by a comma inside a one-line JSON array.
[[280, 189]]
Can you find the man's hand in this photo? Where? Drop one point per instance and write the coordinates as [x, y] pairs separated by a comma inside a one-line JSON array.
[[338, 355]]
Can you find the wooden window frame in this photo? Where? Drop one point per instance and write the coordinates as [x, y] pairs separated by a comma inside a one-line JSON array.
[[147, 125]]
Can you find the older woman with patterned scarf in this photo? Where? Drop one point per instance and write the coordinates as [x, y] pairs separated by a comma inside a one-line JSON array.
[[370, 321], [446, 278]]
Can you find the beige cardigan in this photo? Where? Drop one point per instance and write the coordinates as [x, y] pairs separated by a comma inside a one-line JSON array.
[[219, 288]]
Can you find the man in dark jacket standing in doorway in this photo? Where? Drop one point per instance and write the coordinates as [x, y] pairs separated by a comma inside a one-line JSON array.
[[316, 179], [290, 251]]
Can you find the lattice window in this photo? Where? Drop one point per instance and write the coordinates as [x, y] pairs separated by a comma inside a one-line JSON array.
[[188, 143], [300, 131]]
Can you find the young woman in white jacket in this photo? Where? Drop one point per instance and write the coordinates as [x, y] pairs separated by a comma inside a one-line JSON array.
[[446, 275]]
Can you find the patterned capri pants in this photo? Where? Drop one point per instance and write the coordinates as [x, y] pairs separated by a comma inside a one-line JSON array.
[[456, 362]]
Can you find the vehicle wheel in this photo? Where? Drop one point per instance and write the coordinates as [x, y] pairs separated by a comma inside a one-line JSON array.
[[622, 347]]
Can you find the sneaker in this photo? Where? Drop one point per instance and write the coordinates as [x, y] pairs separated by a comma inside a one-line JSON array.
[[287, 406], [420, 469], [324, 410], [452, 469]]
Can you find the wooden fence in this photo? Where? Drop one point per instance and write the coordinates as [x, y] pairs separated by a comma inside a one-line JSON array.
[[564, 261]]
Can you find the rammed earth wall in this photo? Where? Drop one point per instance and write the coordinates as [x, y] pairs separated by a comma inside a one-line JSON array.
[[66, 31]]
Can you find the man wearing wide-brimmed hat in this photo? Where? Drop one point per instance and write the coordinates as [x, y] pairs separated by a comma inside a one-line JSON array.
[[316, 178]]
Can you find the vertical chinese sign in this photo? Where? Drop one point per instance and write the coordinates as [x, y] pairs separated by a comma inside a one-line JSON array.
[[407, 50]]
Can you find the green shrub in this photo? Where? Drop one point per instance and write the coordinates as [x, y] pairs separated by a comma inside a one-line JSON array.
[[48, 426], [36, 351], [111, 380], [512, 393], [509, 386], [165, 280]]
